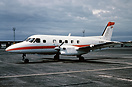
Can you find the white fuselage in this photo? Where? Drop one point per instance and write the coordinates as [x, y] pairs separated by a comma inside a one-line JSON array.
[[47, 44]]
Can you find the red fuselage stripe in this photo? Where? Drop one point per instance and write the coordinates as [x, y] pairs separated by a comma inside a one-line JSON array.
[[40, 47], [32, 47], [81, 45]]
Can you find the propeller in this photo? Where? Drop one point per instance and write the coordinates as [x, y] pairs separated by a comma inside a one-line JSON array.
[[58, 48], [61, 44], [56, 57]]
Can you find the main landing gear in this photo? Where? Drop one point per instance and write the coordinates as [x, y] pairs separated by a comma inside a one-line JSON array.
[[81, 58], [57, 56], [25, 60]]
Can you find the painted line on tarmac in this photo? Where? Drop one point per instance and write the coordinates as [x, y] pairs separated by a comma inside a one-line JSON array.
[[68, 72], [126, 63], [117, 78]]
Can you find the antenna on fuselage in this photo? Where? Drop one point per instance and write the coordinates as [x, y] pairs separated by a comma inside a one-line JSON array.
[[69, 34]]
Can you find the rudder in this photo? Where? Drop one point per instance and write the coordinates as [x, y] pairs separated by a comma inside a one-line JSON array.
[[107, 34]]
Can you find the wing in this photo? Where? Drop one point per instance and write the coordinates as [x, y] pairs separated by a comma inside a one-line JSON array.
[[129, 43], [98, 46]]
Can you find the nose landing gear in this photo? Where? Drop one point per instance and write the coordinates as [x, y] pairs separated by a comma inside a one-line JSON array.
[[24, 58]]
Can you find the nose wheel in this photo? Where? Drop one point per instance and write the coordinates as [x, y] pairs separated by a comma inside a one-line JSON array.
[[24, 58]]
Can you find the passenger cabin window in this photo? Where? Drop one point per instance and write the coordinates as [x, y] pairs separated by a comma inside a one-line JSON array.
[[71, 41], [37, 40], [78, 41], [66, 41], [44, 41], [54, 41], [60, 41]]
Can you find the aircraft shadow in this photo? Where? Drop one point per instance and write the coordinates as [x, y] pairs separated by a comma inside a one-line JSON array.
[[50, 60]]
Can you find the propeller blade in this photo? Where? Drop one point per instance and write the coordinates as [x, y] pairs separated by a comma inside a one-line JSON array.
[[61, 44]]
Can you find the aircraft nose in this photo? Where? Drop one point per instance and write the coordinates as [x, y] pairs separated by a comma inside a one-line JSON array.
[[8, 49], [15, 48], [11, 48]]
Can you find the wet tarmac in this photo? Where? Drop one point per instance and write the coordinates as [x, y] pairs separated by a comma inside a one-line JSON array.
[[106, 68]]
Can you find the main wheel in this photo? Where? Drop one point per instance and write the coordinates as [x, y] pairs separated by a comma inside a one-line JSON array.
[[81, 58], [56, 57], [26, 61]]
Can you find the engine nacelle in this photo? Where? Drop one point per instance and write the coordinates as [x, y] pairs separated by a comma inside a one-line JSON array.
[[68, 50]]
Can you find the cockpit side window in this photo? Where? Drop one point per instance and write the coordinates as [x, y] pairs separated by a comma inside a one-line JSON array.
[[37, 40], [28, 39]]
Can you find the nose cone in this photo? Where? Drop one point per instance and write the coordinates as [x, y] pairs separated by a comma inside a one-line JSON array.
[[14, 48], [7, 49], [10, 48]]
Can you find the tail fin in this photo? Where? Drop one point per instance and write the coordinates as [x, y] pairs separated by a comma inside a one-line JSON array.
[[107, 34]]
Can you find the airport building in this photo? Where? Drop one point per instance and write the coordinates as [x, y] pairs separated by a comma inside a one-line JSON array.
[[5, 44]]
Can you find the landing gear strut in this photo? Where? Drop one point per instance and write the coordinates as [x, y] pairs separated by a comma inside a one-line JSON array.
[[25, 60], [81, 58], [57, 56]]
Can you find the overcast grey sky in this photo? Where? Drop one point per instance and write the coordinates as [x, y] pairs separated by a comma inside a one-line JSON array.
[[60, 17]]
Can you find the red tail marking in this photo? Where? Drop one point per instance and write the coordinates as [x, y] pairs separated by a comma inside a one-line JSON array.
[[110, 23]]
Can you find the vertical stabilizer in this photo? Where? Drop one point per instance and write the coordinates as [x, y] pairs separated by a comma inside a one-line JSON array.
[[107, 34]]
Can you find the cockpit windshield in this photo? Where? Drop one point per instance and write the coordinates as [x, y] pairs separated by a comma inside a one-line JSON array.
[[37, 40], [30, 40], [27, 39], [33, 40]]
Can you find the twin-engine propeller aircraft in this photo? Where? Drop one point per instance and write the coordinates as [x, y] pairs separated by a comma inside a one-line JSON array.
[[63, 45]]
